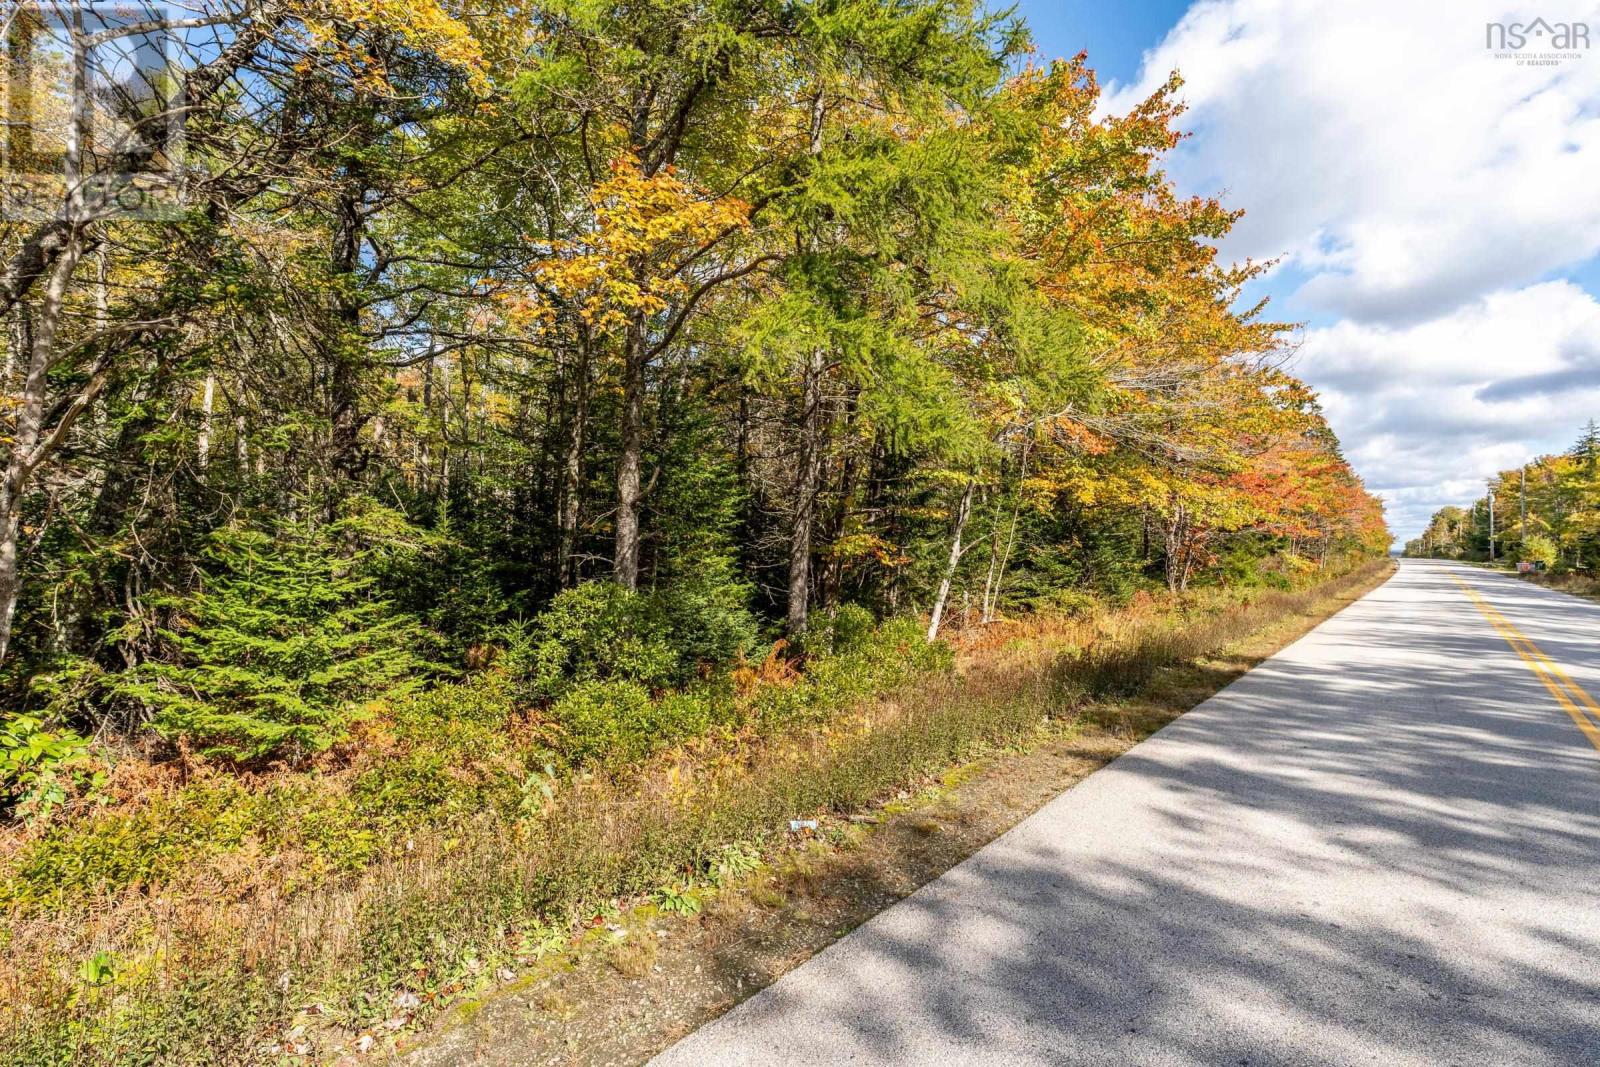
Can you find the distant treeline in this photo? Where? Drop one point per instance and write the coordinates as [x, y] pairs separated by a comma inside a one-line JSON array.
[[1545, 511]]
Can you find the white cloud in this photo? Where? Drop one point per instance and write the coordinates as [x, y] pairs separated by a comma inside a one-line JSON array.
[[1420, 189], [1384, 149], [1428, 410]]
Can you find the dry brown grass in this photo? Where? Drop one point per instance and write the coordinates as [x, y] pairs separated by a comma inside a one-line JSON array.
[[1584, 585], [767, 895], [635, 954]]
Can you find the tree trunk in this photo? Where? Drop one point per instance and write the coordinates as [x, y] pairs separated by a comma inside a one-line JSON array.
[[203, 442], [344, 373], [833, 529], [22, 461], [424, 452], [805, 497], [1176, 535], [572, 474], [625, 560], [19, 344], [1190, 547], [991, 596], [986, 616], [805, 489], [963, 511]]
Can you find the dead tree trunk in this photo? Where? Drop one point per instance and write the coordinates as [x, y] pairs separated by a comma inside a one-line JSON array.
[[805, 502], [963, 512]]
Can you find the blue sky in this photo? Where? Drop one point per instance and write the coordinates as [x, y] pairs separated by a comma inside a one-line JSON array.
[[1433, 205], [1116, 36]]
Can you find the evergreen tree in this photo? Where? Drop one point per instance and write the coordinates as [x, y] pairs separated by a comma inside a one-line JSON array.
[[1587, 448], [282, 642]]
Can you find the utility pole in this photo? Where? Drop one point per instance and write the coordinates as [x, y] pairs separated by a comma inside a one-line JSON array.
[[1522, 527], [1491, 522]]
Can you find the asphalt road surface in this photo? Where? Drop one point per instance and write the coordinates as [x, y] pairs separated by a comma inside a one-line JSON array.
[[1381, 846]]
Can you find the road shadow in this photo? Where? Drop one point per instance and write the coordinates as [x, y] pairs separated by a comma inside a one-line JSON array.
[[1382, 845]]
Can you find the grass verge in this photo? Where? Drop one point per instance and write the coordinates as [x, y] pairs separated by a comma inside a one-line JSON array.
[[1581, 585]]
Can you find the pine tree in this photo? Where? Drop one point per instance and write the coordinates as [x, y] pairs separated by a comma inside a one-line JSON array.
[[1588, 447], [281, 644]]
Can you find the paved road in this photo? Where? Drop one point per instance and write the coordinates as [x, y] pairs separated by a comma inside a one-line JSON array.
[[1381, 846]]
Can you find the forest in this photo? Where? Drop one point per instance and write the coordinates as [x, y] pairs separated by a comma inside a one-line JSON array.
[[1545, 512], [412, 410]]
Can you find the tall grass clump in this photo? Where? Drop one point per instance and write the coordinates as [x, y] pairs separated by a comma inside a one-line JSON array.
[[1132, 649]]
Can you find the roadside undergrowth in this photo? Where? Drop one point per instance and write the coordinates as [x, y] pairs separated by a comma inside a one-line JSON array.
[[577, 1006], [350, 963], [1582, 585]]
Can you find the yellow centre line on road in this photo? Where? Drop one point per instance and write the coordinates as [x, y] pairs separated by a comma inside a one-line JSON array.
[[1568, 693]]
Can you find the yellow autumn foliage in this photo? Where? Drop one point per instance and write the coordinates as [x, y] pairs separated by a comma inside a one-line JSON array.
[[634, 257], [425, 25]]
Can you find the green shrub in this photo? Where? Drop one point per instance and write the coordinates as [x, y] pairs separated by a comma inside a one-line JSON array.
[[890, 656], [147, 846], [603, 720], [1538, 548], [901, 648], [852, 627], [616, 720], [690, 713], [1070, 601], [283, 641], [846, 630], [416, 782], [464, 715], [1248, 563], [707, 620], [592, 632], [656, 638], [41, 768], [449, 582]]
